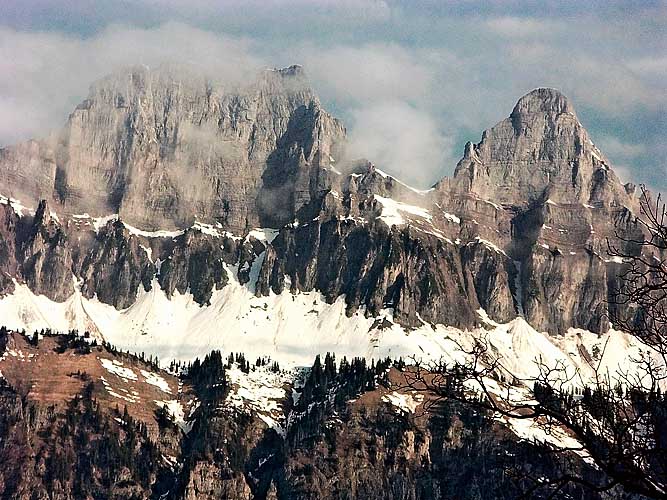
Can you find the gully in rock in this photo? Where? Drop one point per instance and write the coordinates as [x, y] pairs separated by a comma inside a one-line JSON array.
[[208, 291]]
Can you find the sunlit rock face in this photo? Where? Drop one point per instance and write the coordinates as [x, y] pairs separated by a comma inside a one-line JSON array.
[[161, 147], [539, 152], [160, 179]]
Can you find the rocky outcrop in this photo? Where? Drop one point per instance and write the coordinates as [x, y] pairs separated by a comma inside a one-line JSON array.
[[196, 264], [521, 229], [538, 182], [115, 267], [374, 267], [161, 146], [46, 260], [540, 152], [494, 277], [9, 265]]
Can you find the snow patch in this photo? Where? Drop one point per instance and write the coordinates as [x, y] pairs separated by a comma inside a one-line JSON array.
[[129, 397], [452, 218], [532, 431], [149, 252], [264, 234], [153, 234], [406, 403], [616, 259], [488, 244], [175, 409], [415, 190], [17, 206], [156, 380], [117, 368], [261, 391], [393, 211]]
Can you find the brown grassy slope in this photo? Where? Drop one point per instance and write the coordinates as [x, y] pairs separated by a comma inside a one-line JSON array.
[[52, 378]]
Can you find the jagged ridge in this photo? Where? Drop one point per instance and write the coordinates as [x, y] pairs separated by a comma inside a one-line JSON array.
[[533, 198]]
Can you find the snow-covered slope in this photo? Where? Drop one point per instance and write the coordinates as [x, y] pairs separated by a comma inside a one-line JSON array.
[[293, 328]]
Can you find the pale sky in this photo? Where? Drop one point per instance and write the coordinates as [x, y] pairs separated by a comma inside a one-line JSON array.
[[412, 81]]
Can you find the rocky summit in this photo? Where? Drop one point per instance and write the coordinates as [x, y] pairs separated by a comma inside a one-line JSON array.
[[176, 220], [163, 147], [164, 181]]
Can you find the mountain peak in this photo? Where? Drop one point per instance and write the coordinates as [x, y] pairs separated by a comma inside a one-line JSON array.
[[541, 151], [164, 144], [141, 79], [543, 100], [293, 70]]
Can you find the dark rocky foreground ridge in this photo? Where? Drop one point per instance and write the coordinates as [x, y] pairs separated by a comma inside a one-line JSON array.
[[81, 421], [521, 228]]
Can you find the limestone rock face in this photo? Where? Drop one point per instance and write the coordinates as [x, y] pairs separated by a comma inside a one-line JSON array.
[[208, 481], [196, 263], [537, 188], [160, 147], [192, 168], [9, 265], [115, 267], [494, 276], [46, 257], [540, 152], [375, 267]]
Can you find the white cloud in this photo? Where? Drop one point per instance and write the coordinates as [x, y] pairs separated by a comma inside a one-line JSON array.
[[653, 69], [604, 84], [457, 74], [519, 27], [371, 73], [401, 139], [46, 74], [615, 147]]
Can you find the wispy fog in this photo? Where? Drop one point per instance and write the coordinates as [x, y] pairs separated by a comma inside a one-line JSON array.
[[411, 84]]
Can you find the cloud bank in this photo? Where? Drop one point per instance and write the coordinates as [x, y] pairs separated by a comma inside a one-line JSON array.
[[412, 83], [47, 74]]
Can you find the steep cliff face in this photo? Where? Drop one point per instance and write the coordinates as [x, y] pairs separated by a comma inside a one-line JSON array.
[[539, 183], [9, 267], [420, 278], [520, 230], [47, 260], [114, 266], [161, 146], [540, 152]]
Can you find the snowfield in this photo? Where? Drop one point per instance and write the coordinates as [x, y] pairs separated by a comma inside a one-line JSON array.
[[393, 211], [406, 403], [261, 392], [156, 380], [117, 368], [293, 329]]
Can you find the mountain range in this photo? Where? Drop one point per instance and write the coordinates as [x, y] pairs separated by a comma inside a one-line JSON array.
[[164, 186], [174, 215]]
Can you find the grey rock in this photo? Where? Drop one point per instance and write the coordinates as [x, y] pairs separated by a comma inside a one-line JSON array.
[[115, 267], [540, 152], [161, 147], [196, 263], [522, 227], [375, 267], [493, 275], [46, 261], [9, 265]]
